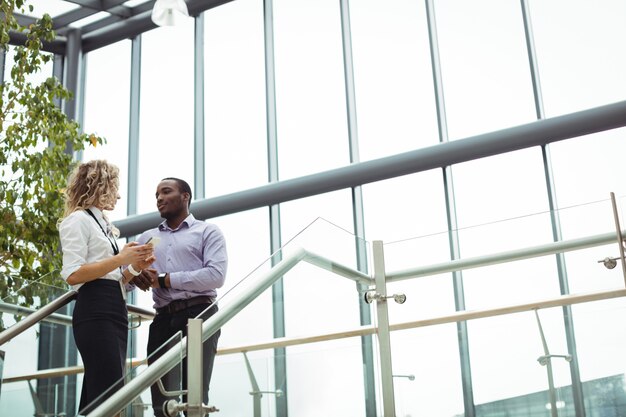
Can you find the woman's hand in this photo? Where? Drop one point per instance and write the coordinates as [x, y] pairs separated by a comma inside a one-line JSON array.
[[136, 254]]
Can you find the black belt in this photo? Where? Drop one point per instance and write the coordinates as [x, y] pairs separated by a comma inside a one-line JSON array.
[[180, 305]]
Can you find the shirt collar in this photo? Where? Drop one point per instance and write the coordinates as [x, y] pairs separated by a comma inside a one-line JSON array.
[[103, 221], [98, 213], [95, 210], [189, 221]]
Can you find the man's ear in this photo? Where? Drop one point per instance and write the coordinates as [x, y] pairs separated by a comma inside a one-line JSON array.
[[186, 197]]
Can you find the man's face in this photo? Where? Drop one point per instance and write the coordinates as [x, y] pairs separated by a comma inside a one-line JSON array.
[[170, 201]]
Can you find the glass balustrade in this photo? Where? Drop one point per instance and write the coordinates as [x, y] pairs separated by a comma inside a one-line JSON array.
[[310, 300], [43, 346], [504, 295], [42, 372], [513, 330], [142, 405]]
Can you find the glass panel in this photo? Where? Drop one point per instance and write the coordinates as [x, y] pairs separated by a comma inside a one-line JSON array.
[[510, 367], [107, 98], [393, 77], [578, 64], [405, 207], [484, 64], [46, 349], [243, 391], [166, 121], [588, 168], [42, 347], [171, 382], [310, 87], [507, 370], [297, 215], [236, 145], [17, 400], [247, 237], [426, 375], [311, 390], [600, 339], [584, 272], [309, 287], [506, 211], [314, 393]]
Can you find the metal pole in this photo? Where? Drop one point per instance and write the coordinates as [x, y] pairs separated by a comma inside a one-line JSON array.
[[384, 339], [194, 368], [536, 133], [198, 109], [620, 238], [546, 352], [133, 126]]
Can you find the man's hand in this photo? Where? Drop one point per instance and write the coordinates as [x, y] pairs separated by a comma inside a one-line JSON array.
[[146, 279]]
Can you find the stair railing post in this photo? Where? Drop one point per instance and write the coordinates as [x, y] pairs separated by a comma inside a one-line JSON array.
[[384, 340], [194, 368]]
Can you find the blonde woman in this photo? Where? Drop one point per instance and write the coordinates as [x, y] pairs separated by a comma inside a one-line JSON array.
[[95, 266]]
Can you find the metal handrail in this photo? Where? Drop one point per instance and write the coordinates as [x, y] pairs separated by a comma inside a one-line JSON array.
[[47, 313], [172, 357], [502, 257], [36, 317], [62, 319]]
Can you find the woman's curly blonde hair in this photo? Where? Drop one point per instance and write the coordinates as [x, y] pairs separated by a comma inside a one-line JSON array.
[[94, 183]]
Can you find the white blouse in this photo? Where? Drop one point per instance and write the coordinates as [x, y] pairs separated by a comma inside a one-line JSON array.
[[83, 242]]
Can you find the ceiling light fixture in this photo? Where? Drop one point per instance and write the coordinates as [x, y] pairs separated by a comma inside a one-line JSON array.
[[169, 12]]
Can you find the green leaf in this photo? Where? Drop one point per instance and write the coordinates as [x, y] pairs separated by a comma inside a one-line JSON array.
[[33, 163]]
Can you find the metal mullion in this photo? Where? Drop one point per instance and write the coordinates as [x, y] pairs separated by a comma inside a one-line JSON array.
[[133, 126], [199, 133], [367, 349], [133, 151], [278, 296], [57, 72], [450, 201], [80, 99], [568, 322], [71, 77]]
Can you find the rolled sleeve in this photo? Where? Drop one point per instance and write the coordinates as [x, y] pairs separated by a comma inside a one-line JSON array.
[[74, 235]]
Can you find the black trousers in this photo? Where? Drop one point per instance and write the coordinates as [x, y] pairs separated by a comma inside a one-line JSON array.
[[100, 326], [162, 328]]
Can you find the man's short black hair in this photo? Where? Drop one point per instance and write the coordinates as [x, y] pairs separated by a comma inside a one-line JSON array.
[[182, 186]]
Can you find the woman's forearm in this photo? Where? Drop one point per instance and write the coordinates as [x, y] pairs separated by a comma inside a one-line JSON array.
[[95, 270]]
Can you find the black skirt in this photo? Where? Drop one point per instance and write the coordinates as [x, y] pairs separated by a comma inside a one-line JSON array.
[[100, 326]]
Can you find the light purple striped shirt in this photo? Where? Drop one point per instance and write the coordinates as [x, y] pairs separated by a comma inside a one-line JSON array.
[[195, 256]]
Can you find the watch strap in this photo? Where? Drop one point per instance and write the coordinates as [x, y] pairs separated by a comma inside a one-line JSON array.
[[162, 279]]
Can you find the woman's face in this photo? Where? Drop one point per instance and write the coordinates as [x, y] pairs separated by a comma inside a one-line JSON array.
[[115, 195]]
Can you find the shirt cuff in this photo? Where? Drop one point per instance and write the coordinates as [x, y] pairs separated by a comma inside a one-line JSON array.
[[174, 280], [69, 270]]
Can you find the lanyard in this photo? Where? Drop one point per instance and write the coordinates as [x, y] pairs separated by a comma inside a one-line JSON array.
[[113, 244]]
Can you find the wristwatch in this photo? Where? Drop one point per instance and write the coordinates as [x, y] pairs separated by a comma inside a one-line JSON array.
[[161, 277]]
